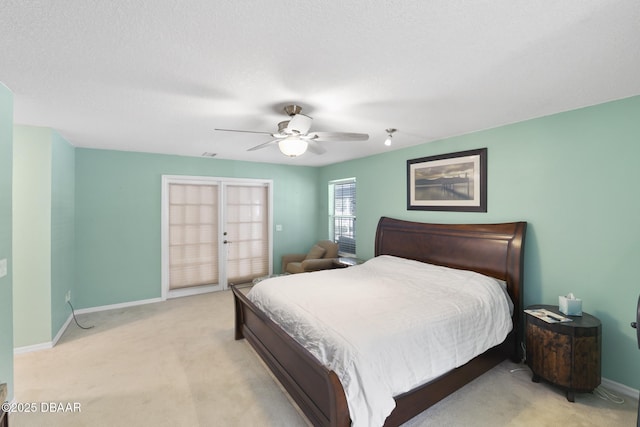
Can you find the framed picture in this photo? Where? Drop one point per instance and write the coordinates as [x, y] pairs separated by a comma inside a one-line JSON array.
[[448, 182]]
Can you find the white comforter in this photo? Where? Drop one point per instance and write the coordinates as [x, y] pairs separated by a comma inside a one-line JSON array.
[[388, 325]]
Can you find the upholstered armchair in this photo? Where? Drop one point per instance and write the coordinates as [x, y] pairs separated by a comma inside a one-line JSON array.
[[320, 257]]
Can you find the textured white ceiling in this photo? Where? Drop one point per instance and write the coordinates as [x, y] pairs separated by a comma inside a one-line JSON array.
[[159, 75]]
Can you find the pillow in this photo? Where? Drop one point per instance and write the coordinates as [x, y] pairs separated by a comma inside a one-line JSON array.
[[503, 286], [316, 252]]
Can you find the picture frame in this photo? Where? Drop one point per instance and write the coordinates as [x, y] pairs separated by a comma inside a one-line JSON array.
[[448, 182]]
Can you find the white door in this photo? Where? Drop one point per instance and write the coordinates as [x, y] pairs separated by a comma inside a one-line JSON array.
[[247, 253], [215, 231]]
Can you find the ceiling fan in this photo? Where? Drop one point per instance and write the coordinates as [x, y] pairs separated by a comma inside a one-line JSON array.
[[293, 136]]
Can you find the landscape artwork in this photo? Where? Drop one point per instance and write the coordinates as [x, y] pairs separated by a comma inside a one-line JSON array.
[[448, 182]]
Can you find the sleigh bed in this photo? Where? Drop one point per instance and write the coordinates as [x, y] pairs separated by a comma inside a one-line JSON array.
[[494, 250]]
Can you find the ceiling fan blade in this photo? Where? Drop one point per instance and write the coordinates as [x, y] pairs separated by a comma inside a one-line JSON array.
[[264, 144], [315, 148], [299, 124], [338, 136], [244, 131]]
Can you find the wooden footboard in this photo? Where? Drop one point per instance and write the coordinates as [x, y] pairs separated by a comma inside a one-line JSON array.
[[413, 402], [316, 389]]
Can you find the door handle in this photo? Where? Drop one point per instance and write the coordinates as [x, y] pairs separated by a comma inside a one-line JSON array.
[[227, 241], [637, 328]]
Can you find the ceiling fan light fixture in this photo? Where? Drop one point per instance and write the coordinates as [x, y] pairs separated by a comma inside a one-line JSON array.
[[293, 146], [293, 136], [390, 132]]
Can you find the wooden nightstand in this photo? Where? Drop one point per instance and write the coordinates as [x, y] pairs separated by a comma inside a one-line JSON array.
[[566, 354]]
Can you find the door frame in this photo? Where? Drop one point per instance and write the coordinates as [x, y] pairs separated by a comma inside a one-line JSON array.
[[222, 182]]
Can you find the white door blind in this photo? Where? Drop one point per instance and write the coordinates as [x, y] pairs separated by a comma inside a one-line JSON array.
[[193, 235], [248, 230]]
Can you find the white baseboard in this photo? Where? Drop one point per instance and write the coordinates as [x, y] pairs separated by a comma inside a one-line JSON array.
[[195, 290], [120, 305], [618, 388], [34, 347], [50, 344], [44, 345], [61, 331]]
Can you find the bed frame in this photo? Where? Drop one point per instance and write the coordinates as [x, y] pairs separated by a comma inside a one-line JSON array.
[[495, 250]]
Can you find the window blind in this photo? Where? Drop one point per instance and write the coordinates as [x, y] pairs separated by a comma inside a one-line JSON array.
[[248, 230], [193, 235], [343, 215]]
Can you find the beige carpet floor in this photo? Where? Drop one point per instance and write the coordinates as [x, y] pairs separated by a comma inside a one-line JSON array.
[[176, 363]]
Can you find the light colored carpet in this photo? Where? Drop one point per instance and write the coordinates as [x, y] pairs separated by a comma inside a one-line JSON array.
[[176, 363]]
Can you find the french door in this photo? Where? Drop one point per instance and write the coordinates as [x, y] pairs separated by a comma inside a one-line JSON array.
[[215, 231]]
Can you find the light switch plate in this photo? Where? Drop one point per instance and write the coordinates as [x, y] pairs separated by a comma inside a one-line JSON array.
[[3, 267]]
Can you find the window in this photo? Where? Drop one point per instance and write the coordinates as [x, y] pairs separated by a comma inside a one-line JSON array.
[[342, 215]]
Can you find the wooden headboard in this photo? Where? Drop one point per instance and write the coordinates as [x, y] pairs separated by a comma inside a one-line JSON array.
[[496, 250]]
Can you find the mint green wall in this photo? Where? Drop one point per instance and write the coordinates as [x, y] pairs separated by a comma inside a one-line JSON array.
[[43, 233], [31, 235], [565, 174], [118, 217], [6, 224], [572, 177], [62, 230]]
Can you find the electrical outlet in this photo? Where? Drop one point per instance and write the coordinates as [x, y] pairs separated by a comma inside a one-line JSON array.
[[3, 267], [67, 297]]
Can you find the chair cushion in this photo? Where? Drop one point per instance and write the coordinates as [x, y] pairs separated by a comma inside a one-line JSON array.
[[331, 248], [295, 267], [316, 252]]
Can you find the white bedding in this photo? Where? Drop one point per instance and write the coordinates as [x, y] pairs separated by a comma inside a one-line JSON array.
[[388, 325]]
